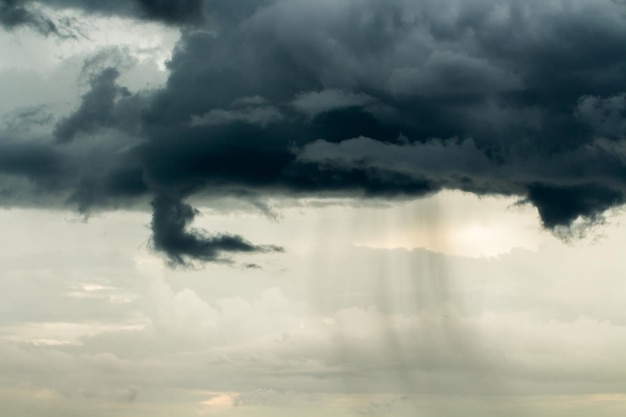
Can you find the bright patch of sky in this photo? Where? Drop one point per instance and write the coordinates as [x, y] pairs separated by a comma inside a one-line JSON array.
[[91, 319]]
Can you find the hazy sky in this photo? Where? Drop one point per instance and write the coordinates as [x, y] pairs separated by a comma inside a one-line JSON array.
[[312, 208]]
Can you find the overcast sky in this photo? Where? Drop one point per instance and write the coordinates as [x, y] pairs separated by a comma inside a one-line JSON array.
[[312, 208]]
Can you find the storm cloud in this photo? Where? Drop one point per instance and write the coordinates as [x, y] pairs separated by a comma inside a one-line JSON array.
[[169, 224], [15, 13], [362, 98]]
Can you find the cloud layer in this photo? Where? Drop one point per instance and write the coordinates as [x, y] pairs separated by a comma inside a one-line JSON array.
[[106, 329], [362, 98]]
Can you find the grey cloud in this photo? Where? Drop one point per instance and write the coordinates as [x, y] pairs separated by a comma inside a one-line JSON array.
[[26, 118], [96, 107], [15, 13], [607, 116], [249, 101], [254, 341], [34, 160], [173, 12], [375, 408], [582, 182], [448, 73], [315, 102], [560, 206], [438, 160], [271, 98], [255, 116], [170, 223], [274, 398]]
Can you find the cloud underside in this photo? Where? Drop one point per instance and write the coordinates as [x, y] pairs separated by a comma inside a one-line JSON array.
[[169, 224], [16, 13], [369, 99]]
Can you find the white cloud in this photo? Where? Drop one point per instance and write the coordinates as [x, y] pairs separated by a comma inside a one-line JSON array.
[[341, 330]]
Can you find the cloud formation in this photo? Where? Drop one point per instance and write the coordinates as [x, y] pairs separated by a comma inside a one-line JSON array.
[[361, 98], [15, 13], [453, 334], [169, 225]]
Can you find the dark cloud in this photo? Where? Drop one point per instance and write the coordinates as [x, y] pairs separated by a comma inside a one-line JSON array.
[[607, 116], [26, 118], [171, 235], [16, 13], [561, 206], [36, 161], [96, 109], [363, 98], [172, 12], [13, 14]]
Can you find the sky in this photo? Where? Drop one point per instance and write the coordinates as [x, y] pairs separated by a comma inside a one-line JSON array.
[[312, 208]]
